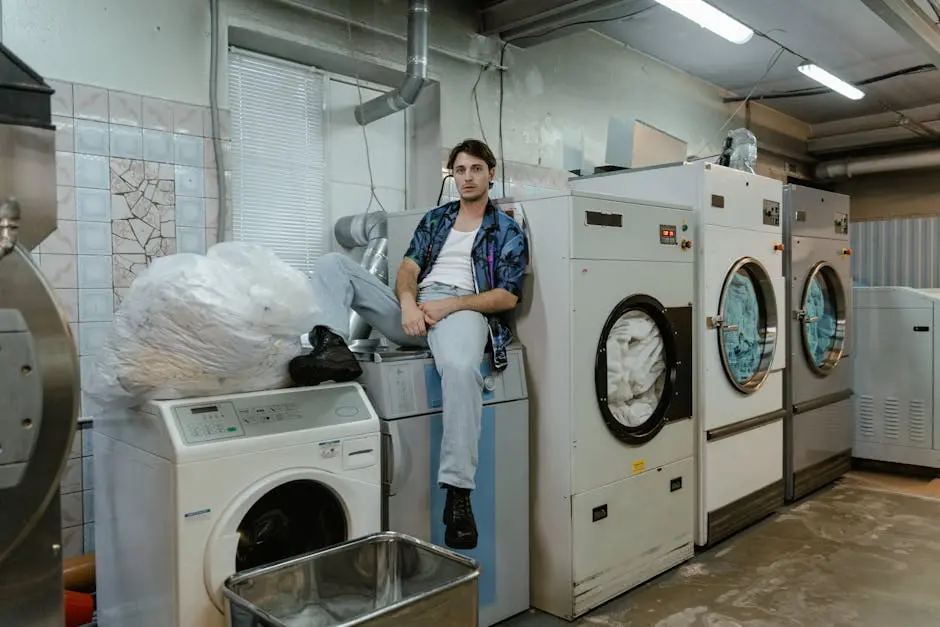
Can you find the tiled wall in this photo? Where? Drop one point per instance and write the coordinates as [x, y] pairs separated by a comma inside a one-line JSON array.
[[900, 251], [136, 181]]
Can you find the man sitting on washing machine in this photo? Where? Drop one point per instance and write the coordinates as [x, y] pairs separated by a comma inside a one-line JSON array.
[[462, 273]]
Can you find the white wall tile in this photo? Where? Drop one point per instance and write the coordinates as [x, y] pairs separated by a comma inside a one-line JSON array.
[[91, 103], [158, 114], [87, 442], [126, 142], [62, 241], [94, 272], [65, 168], [225, 120], [95, 305], [91, 137], [189, 150], [65, 196], [212, 183], [191, 240], [64, 133], [190, 212], [158, 146], [90, 409], [76, 450], [62, 98], [189, 181], [73, 540], [72, 477], [94, 238], [92, 171], [71, 509], [88, 505], [209, 152], [88, 473], [73, 328], [92, 336], [125, 108], [68, 300], [89, 533], [187, 119], [60, 270], [93, 205]]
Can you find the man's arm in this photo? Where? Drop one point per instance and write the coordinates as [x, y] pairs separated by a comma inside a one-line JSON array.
[[490, 302], [406, 283]]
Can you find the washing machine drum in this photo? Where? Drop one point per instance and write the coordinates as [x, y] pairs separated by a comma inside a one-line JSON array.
[[643, 373], [292, 519]]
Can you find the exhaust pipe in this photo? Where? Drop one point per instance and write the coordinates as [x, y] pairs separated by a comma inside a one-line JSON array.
[[415, 77]]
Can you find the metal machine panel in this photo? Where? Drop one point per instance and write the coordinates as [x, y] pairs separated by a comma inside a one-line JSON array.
[[815, 213], [894, 363], [810, 380], [409, 387], [821, 434], [599, 458], [628, 532], [600, 226]]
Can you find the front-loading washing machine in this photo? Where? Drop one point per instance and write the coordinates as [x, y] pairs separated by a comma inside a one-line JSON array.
[[189, 492], [818, 382], [740, 330], [606, 319]]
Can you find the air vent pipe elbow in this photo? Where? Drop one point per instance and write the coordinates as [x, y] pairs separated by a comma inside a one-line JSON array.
[[416, 75]]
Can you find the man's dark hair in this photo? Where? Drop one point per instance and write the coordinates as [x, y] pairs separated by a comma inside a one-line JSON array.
[[474, 148]]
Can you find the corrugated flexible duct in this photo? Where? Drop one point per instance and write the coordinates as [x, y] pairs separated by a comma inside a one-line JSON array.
[[415, 77], [849, 167], [369, 230]]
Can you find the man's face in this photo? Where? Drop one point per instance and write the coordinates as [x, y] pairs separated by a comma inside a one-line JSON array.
[[472, 177]]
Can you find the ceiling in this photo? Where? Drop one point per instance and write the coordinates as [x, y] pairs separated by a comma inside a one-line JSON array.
[[843, 36]]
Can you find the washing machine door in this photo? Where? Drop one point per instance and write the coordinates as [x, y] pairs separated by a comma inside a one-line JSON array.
[[747, 325], [822, 317], [287, 514], [643, 369]]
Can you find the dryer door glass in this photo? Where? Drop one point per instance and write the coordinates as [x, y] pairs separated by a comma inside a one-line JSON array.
[[292, 519], [747, 325], [640, 367], [822, 316]]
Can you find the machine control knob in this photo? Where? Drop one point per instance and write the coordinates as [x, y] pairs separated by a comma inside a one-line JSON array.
[[685, 227], [845, 252], [779, 248], [489, 384], [686, 244]]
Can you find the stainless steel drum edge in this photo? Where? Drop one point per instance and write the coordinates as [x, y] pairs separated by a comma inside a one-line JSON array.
[[23, 287]]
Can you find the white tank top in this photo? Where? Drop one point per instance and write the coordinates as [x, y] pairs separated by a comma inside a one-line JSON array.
[[453, 265]]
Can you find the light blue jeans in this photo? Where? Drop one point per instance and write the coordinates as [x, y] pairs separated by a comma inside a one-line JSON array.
[[457, 343]]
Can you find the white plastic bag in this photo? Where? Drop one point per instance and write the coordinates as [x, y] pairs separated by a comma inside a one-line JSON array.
[[194, 325]]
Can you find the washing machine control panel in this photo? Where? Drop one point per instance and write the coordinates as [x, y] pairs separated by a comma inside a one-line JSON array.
[[208, 422], [667, 234]]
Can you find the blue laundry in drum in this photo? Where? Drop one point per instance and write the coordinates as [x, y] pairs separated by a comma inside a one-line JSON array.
[[820, 335], [743, 345]]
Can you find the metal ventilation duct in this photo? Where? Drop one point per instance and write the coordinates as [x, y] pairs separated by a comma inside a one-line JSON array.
[[849, 167], [416, 75]]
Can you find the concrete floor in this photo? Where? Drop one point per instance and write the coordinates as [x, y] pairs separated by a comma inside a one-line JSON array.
[[865, 552]]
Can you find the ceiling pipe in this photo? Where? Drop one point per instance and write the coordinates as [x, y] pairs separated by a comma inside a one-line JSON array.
[[416, 76], [849, 167]]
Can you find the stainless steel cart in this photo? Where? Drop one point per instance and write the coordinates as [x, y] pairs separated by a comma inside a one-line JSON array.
[[380, 580]]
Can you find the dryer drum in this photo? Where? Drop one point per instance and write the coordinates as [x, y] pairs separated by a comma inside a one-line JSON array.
[[747, 333], [822, 317], [643, 368]]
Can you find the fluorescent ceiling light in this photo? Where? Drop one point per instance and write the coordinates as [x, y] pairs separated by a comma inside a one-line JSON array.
[[834, 83], [707, 16]]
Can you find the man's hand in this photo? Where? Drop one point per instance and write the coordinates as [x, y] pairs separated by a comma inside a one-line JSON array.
[[413, 320], [437, 310]]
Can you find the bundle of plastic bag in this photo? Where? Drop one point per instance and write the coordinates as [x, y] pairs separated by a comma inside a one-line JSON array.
[[193, 325]]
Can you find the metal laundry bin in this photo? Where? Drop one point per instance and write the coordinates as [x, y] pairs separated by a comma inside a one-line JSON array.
[[380, 580]]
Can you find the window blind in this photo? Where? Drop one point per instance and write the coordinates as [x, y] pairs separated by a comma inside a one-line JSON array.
[[278, 162]]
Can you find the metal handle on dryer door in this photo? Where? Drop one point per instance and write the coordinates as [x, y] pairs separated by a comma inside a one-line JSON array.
[[718, 323], [731, 328], [394, 458]]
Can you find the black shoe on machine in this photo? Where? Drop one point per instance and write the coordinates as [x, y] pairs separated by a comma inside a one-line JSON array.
[[461, 528], [330, 360]]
